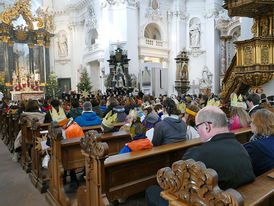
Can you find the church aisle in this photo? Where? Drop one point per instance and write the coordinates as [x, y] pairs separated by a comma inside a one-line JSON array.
[[15, 186]]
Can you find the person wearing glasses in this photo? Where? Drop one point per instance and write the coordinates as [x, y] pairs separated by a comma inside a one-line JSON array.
[[219, 150]]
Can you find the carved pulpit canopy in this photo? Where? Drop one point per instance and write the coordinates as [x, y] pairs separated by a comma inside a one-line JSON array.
[[28, 33]]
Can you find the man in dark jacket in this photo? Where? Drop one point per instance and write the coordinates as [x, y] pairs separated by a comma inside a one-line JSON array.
[[88, 117], [172, 128], [219, 151], [253, 101]]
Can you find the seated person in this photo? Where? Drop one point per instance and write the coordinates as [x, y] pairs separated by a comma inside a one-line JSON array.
[[151, 118], [108, 123], [172, 128], [189, 117], [56, 113], [220, 151], [96, 108], [139, 139], [261, 149], [88, 117], [239, 117], [76, 110]]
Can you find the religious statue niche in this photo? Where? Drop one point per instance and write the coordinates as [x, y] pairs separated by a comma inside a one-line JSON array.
[[194, 33], [119, 76], [24, 49], [182, 77]]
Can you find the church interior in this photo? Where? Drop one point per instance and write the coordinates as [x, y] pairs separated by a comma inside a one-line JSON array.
[[137, 102]]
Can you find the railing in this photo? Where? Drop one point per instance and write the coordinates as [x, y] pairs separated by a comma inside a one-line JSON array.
[[153, 43]]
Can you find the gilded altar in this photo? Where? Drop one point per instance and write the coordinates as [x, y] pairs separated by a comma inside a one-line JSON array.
[[24, 47]]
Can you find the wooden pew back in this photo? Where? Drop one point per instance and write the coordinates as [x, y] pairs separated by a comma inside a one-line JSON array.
[[118, 176], [66, 155]]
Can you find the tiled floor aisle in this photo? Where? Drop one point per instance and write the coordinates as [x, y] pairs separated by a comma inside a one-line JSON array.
[[15, 185]]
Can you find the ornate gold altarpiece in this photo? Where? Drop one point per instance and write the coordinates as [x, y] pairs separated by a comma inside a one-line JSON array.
[[254, 59], [30, 77]]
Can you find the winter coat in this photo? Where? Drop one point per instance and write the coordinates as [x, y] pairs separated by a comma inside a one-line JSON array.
[[88, 119], [75, 112], [171, 129]]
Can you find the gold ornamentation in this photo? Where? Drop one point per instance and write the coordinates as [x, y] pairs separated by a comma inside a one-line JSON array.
[[248, 55], [265, 55], [21, 35], [10, 43], [23, 7], [264, 26], [256, 79], [254, 28]]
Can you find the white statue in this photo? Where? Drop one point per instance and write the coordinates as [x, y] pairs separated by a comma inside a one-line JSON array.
[[206, 81], [120, 82], [194, 32], [14, 77], [146, 77], [62, 45], [133, 80]]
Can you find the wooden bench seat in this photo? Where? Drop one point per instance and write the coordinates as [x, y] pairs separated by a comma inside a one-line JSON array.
[[112, 177], [260, 192], [243, 134], [66, 155]]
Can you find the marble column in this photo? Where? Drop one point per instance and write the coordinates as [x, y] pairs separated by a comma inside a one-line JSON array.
[[47, 57], [11, 62], [41, 63], [6, 63], [31, 58], [223, 57]]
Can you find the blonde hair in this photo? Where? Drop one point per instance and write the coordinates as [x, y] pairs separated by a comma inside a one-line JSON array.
[[242, 114], [263, 120]]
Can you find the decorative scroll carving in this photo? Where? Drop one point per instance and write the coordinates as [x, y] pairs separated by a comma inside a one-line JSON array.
[[90, 145], [255, 79], [248, 60], [264, 55], [254, 28], [190, 181], [23, 7], [55, 131], [35, 124]]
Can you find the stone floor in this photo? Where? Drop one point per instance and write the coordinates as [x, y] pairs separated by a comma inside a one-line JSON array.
[[16, 188], [15, 185]]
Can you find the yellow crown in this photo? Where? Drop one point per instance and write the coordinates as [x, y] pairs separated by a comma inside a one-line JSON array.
[[181, 107], [237, 102], [109, 120], [212, 102]]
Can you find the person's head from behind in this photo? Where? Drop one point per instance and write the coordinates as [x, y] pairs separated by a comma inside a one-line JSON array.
[[87, 107], [137, 128], [75, 104], [94, 102], [55, 103], [112, 101], [170, 107], [242, 114], [32, 106], [252, 100], [262, 122], [190, 114], [210, 121]]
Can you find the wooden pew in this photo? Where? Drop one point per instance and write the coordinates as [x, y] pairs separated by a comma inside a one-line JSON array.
[[260, 192], [5, 128], [109, 178], [66, 155], [26, 143], [14, 128], [243, 134], [191, 183], [1, 124]]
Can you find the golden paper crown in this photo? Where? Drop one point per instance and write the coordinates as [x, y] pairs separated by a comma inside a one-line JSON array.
[[109, 120], [237, 102], [212, 102], [181, 107], [146, 105]]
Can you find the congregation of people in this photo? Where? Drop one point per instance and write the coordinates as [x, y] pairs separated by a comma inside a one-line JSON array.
[[153, 121]]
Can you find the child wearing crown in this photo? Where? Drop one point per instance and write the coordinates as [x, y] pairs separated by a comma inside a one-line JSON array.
[[139, 139]]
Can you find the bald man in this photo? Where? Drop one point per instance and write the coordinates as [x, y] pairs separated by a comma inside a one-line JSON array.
[[220, 151]]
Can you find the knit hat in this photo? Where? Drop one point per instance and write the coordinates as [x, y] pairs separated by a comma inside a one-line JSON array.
[[87, 106], [109, 120]]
